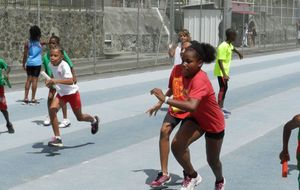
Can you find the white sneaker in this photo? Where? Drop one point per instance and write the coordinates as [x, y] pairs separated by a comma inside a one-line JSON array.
[[220, 186], [190, 183], [226, 115], [47, 121], [65, 123]]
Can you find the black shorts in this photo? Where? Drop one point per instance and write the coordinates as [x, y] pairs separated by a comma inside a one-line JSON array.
[[216, 136], [33, 71], [174, 121]]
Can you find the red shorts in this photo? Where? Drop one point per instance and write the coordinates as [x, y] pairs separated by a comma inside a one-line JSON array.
[[3, 105], [72, 99]]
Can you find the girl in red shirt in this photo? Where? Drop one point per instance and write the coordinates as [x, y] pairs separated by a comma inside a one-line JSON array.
[[206, 116]]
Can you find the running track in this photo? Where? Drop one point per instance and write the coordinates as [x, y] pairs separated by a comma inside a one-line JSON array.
[[263, 94]]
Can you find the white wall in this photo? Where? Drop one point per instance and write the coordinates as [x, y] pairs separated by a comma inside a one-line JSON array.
[[209, 26]]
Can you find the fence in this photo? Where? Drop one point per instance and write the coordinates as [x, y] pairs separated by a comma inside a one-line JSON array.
[[92, 31]]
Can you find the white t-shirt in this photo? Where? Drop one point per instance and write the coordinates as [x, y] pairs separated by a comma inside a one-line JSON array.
[[60, 72], [177, 56]]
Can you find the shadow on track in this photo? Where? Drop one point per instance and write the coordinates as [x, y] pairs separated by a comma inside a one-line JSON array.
[[152, 174], [53, 151]]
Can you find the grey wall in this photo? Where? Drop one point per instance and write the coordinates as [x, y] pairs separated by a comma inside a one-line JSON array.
[[121, 25]]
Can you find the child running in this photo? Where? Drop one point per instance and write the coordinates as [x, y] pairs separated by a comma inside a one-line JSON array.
[[3, 105], [206, 117], [55, 41], [32, 61], [222, 66], [175, 50], [284, 154], [172, 119], [67, 93]]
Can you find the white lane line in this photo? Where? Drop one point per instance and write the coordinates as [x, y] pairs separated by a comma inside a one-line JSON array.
[[144, 155]]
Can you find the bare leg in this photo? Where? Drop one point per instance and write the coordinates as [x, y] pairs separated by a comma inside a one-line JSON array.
[[83, 117], [64, 111], [27, 87], [164, 146], [213, 150], [55, 105], [186, 135], [34, 87], [6, 116]]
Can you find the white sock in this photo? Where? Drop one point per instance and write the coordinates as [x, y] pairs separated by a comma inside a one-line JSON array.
[[95, 120], [58, 137]]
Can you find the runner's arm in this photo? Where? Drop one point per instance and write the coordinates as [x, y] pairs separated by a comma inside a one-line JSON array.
[[287, 130], [172, 50], [239, 53], [189, 105]]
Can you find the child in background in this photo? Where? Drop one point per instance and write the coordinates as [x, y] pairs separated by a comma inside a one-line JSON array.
[[54, 41], [176, 50], [32, 61], [222, 66], [67, 93], [172, 119], [3, 105]]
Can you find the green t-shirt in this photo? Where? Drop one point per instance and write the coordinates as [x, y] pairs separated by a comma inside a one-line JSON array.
[[224, 53], [46, 62], [4, 66]]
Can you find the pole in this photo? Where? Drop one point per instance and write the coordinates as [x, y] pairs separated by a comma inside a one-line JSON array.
[[171, 20], [243, 41], [161, 28], [94, 38], [281, 11], [39, 13], [200, 29], [260, 22], [227, 13], [138, 35]]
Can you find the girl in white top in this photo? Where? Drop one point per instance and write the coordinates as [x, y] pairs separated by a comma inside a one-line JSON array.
[[67, 92], [176, 50]]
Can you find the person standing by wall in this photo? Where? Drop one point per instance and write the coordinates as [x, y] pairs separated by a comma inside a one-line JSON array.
[[175, 50], [32, 61]]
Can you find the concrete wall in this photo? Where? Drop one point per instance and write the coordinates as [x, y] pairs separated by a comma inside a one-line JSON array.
[[75, 29], [120, 25]]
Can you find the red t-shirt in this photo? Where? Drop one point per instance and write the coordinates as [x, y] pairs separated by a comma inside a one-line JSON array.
[[176, 84], [208, 114]]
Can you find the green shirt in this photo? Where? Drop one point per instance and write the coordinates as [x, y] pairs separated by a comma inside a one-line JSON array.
[[4, 66], [224, 54], [46, 62]]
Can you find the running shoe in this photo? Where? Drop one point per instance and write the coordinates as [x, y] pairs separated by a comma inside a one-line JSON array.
[[10, 128], [226, 115], [33, 102], [190, 183], [160, 181], [220, 186], [226, 111], [95, 126], [55, 142], [65, 123], [47, 121], [25, 102]]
